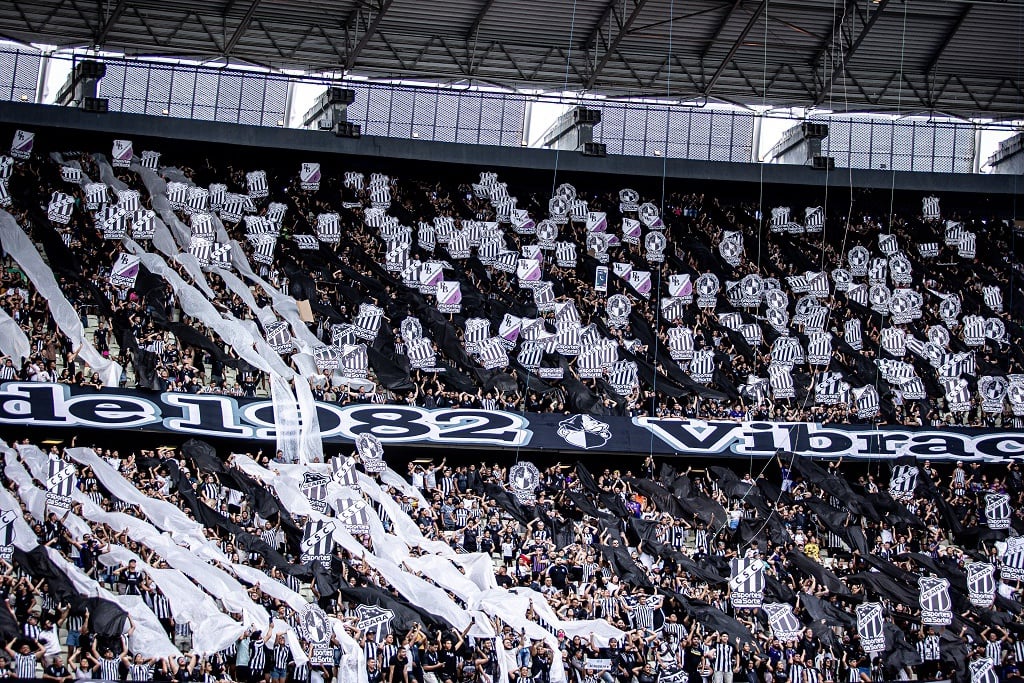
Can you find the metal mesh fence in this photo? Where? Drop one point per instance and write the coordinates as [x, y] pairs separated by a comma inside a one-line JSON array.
[[19, 76], [636, 128], [903, 145], [195, 92], [642, 129]]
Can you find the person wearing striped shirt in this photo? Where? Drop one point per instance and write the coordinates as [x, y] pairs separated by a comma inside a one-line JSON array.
[[25, 659], [139, 667], [724, 659]]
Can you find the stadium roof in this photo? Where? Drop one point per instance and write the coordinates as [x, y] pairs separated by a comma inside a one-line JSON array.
[[957, 57]]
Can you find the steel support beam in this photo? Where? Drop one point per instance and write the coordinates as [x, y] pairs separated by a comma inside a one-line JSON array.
[[638, 6], [721, 27], [947, 39], [851, 51], [243, 26], [475, 26], [596, 32], [370, 31], [115, 16], [735, 46], [833, 35]]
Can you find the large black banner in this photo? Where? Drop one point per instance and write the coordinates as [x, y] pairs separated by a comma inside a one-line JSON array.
[[33, 404]]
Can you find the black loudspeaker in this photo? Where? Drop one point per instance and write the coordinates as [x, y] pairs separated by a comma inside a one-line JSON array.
[[594, 149]]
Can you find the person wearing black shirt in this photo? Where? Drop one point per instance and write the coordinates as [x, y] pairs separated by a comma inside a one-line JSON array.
[[57, 672], [431, 664], [130, 578], [373, 672]]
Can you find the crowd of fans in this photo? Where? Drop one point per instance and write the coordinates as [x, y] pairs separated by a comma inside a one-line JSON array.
[[645, 550], [181, 354]]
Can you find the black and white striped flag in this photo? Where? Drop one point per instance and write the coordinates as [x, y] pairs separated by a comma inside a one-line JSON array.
[[930, 208], [780, 218], [380, 197], [746, 582], [113, 221], [997, 510], [354, 362], [60, 208], [981, 583], [819, 348], [279, 337], [968, 246], [6, 167], [903, 482], [61, 480], [780, 377], [787, 351], [354, 180], [328, 228], [177, 195], [928, 249], [95, 195], [993, 297], [318, 542], [5, 195], [492, 354], [342, 334], [420, 352], [957, 393], [974, 330], [306, 242], [568, 343], [702, 365], [814, 219], [476, 330], [894, 341], [327, 357], [367, 321], [623, 376], [218, 193], [233, 208], [256, 184], [197, 200], [530, 355], [263, 248], [7, 534], [936, 604], [201, 248], [70, 174], [143, 224], [830, 389], [150, 160], [276, 211], [866, 402]]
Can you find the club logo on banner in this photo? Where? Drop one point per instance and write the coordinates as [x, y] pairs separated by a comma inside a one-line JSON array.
[[981, 584], [314, 487], [669, 674], [343, 471], [523, 478], [317, 543], [583, 431], [60, 482], [1013, 559], [121, 154], [936, 605], [982, 671], [903, 482], [352, 516], [746, 583], [618, 309], [628, 200], [371, 452], [309, 177], [316, 629], [7, 534], [449, 296], [870, 627], [654, 244], [784, 624], [597, 244], [997, 510], [651, 216], [125, 270], [376, 619], [22, 144], [707, 286]]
